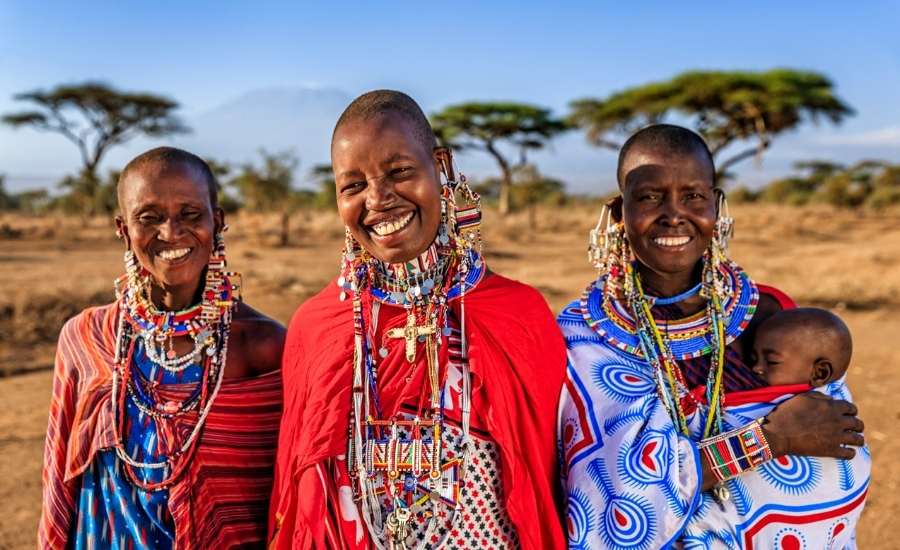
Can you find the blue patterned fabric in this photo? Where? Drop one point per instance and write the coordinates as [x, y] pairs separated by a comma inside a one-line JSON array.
[[633, 481], [112, 513]]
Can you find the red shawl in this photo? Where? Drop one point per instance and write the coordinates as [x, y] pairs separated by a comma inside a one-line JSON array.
[[517, 358], [219, 502]]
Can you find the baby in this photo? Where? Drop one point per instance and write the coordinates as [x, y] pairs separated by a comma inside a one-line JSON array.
[[802, 346]]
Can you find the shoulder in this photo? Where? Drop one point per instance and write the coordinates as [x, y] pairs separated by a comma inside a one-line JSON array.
[[87, 341], [322, 306], [322, 322], [260, 336], [92, 322], [771, 301], [508, 291]]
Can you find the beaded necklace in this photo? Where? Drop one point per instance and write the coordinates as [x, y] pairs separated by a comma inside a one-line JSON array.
[[631, 327], [424, 287], [207, 324]]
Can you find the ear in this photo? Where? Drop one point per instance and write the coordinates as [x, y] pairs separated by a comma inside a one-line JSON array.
[[615, 208], [122, 231], [443, 157], [821, 373], [218, 220], [719, 197]]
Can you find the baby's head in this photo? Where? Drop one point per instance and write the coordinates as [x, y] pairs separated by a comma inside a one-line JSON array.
[[802, 346]]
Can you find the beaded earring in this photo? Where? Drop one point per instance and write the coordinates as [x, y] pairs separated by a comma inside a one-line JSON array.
[[136, 277], [610, 254], [214, 276], [463, 219], [715, 280], [352, 256]]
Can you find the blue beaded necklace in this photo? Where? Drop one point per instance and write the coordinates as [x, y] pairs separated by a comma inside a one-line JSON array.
[[654, 301]]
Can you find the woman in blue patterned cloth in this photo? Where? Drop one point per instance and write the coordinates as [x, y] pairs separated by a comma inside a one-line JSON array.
[[667, 437]]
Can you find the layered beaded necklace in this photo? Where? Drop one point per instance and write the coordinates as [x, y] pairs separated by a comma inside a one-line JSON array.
[[630, 326], [404, 459], [207, 324]]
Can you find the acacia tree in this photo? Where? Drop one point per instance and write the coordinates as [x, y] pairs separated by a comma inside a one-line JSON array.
[[323, 176], [485, 126], [269, 187], [96, 117], [724, 106]]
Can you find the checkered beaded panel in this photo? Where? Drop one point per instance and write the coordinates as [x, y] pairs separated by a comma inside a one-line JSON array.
[[481, 520]]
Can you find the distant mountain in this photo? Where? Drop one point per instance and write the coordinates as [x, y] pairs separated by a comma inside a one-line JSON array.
[[300, 119]]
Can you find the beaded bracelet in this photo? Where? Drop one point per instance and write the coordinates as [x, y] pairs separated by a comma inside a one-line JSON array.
[[737, 451]]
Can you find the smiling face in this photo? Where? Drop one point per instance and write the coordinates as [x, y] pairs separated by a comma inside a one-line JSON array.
[[388, 186], [169, 222], [669, 210]]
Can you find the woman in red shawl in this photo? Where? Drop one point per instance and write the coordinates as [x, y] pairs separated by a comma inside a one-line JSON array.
[[165, 404], [420, 388]]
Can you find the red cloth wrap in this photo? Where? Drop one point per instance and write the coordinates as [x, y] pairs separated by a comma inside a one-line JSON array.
[[517, 358]]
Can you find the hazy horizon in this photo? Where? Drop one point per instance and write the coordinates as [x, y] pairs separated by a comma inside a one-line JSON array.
[[310, 60]]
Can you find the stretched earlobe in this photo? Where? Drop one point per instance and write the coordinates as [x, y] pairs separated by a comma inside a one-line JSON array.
[[122, 232], [615, 208], [444, 157]]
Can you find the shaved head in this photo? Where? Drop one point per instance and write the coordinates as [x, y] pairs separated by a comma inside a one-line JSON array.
[[162, 159], [666, 138], [385, 102], [818, 327]]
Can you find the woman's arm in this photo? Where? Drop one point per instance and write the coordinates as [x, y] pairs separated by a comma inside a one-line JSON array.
[[58, 506], [809, 424]]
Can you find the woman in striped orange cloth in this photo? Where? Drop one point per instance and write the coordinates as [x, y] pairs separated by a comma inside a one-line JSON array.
[[165, 406]]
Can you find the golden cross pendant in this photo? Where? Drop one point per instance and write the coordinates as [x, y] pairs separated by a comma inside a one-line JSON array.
[[410, 333]]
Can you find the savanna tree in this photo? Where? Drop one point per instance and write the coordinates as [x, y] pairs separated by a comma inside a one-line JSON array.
[[725, 107], [96, 117], [488, 126]]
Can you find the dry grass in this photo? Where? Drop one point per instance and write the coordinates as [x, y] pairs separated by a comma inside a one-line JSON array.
[[53, 267]]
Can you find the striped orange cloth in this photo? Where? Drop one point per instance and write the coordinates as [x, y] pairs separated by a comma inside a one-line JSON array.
[[222, 499]]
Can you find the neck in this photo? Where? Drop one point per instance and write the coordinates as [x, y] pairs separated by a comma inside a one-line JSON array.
[[663, 285], [174, 298], [666, 284], [426, 261]]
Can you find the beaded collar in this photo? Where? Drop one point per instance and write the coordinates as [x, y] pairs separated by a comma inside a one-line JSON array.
[[425, 276], [688, 337]]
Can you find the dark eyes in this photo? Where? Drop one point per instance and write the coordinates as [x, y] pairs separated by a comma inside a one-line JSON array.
[[151, 218], [655, 197], [353, 187], [395, 174]]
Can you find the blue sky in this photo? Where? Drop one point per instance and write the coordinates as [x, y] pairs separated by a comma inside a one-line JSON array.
[[205, 54]]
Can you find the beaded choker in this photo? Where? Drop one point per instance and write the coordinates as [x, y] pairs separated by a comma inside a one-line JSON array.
[[669, 300], [614, 321], [413, 281]]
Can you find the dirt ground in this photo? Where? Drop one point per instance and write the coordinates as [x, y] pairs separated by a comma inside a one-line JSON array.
[[50, 268]]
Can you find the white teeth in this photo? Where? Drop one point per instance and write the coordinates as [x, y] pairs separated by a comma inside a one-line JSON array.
[[671, 241], [174, 254], [392, 226]]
